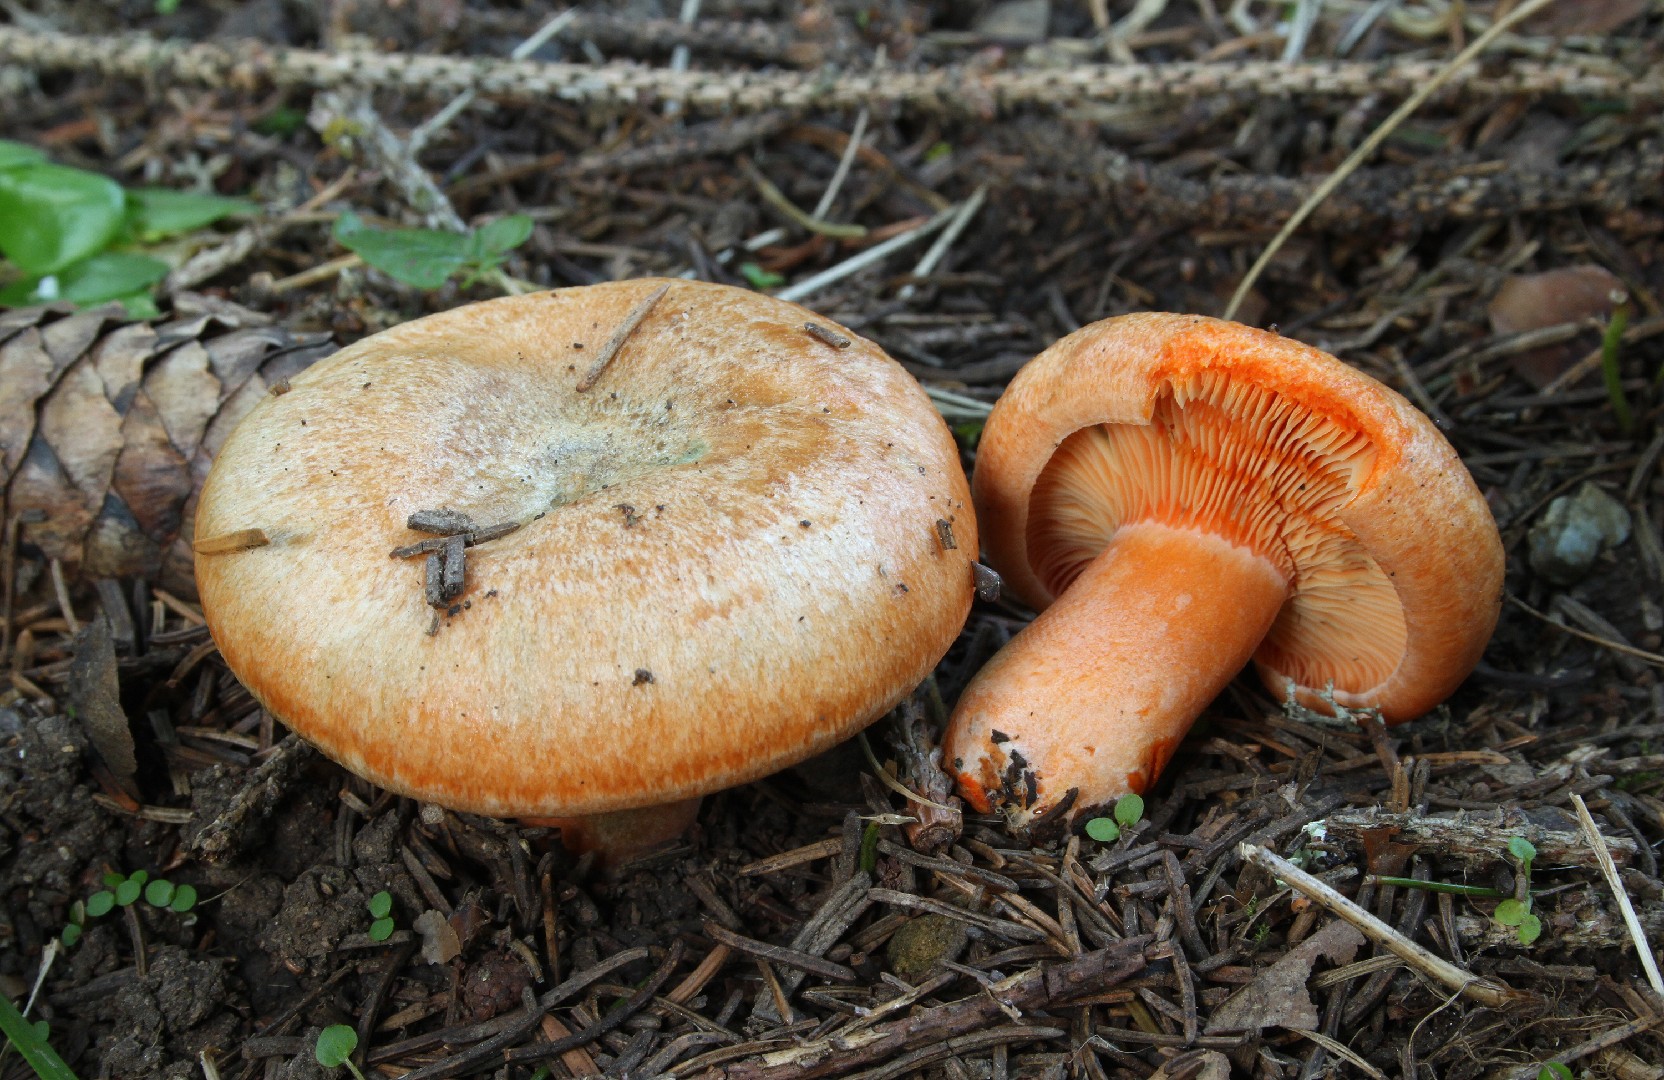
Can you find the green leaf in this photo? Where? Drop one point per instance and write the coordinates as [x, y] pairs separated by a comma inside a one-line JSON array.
[[78, 912], [868, 859], [71, 934], [51, 215], [1522, 849], [100, 902], [128, 891], [969, 432], [13, 154], [184, 898], [1510, 913], [1554, 1070], [140, 306], [1128, 809], [166, 7], [112, 879], [425, 258], [335, 1045], [280, 121], [113, 275], [1103, 830], [159, 212], [506, 233], [381, 904], [159, 893], [1531, 928], [760, 278], [381, 929], [140, 876], [30, 1040]]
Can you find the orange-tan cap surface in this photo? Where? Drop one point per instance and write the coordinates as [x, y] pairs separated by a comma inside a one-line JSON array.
[[727, 558], [1295, 485]]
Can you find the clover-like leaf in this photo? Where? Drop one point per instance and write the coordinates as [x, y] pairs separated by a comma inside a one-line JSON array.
[[1510, 913], [52, 215], [13, 154], [335, 1045], [1103, 830], [159, 212], [425, 258]]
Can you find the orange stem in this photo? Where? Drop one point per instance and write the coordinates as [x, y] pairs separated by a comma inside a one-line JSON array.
[[1098, 691]]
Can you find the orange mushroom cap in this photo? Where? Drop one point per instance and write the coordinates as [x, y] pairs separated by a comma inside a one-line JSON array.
[[1179, 494], [727, 559]]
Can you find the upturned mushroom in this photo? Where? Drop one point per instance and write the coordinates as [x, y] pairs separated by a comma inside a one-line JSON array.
[[1177, 495], [588, 554]]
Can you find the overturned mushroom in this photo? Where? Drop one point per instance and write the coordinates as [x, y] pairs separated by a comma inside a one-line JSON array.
[[1179, 495], [776, 583]]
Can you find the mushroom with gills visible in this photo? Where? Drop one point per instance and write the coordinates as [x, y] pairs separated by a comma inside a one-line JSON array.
[[1177, 495], [699, 543]]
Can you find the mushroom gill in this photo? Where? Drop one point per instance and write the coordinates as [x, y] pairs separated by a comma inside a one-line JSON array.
[[1256, 468]]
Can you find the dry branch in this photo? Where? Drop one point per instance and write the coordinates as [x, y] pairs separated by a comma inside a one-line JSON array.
[[1477, 839], [953, 89], [1037, 157], [1040, 988]]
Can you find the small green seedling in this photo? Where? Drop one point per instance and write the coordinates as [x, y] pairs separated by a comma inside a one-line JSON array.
[[427, 258], [1128, 809], [1554, 1070], [124, 890], [869, 848], [381, 910], [31, 1041], [335, 1047], [1514, 913], [1611, 346], [760, 278]]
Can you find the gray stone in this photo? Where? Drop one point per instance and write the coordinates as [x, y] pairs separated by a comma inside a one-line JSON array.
[[1573, 531]]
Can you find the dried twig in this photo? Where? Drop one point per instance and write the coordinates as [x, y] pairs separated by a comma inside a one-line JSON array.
[[1039, 988], [1362, 154], [1609, 869], [620, 335], [968, 90], [1485, 991]]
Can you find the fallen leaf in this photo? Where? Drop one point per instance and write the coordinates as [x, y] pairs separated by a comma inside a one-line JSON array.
[[1534, 301], [1196, 1065], [96, 696], [439, 941], [1278, 996]]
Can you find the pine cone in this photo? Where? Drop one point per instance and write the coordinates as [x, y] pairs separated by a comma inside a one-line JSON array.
[[107, 426]]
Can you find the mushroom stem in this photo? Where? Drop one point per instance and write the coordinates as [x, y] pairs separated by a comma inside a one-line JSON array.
[[621, 835], [1097, 692]]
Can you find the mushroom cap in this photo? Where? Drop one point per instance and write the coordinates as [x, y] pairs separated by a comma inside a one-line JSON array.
[[1393, 557], [728, 559]]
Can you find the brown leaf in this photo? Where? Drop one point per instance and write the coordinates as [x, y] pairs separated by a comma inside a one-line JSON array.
[[440, 944], [1534, 301], [1278, 996], [85, 430], [95, 694], [186, 394], [1196, 1065], [25, 374]]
